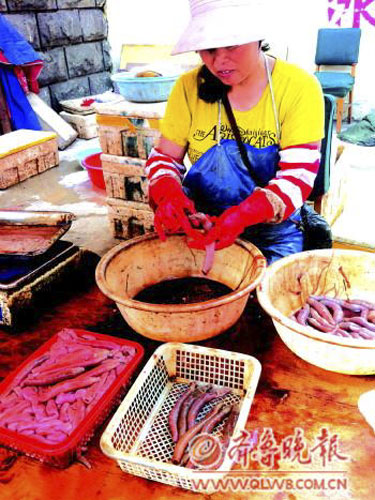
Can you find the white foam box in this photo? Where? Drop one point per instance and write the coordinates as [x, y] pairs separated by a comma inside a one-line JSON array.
[[50, 120], [25, 153], [129, 218], [80, 106], [85, 125]]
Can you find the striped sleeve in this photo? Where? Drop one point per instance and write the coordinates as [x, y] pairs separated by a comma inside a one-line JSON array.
[[294, 180], [159, 165]]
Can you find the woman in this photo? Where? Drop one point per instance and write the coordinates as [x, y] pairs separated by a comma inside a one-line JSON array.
[[279, 110]]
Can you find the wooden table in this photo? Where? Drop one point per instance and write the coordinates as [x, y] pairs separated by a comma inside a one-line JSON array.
[[291, 394]]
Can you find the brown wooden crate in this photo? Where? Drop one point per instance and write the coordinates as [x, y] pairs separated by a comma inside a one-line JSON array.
[[28, 169], [9, 177], [127, 136], [129, 219], [22, 140], [19, 166], [125, 178], [47, 161], [110, 140]]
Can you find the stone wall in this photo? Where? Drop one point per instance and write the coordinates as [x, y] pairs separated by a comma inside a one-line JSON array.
[[71, 38]]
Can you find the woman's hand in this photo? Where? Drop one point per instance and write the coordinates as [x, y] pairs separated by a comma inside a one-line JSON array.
[[227, 228], [224, 232], [233, 221], [173, 209], [165, 171]]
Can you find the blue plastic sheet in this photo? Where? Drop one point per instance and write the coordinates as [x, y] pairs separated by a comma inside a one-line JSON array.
[[22, 114], [219, 179], [16, 49]]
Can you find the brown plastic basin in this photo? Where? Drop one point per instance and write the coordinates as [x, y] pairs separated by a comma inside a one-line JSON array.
[[141, 262]]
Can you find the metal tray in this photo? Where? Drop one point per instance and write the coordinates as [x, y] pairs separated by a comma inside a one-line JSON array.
[[17, 271], [31, 233]]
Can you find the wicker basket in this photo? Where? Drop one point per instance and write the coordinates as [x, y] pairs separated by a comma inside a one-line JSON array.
[[138, 436]]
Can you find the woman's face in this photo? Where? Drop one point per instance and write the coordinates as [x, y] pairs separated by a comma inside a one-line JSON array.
[[232, 65]]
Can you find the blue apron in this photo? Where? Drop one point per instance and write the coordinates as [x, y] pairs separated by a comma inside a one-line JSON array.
[[219, 180]]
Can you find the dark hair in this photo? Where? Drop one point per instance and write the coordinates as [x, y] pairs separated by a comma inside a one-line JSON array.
[[210, 88]]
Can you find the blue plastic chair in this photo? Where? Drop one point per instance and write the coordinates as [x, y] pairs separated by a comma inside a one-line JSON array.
[[338, 47], [322, 181]]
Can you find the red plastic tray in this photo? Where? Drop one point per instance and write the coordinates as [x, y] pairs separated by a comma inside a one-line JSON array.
[[64, 453]]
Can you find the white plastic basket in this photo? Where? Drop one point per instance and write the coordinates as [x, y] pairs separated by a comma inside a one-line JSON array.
[[138, 435]]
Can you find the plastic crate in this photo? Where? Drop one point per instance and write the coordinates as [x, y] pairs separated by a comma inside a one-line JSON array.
[[64, 453], [138, 436]]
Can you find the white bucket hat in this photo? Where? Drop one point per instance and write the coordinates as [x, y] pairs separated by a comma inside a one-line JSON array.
[[222, 23]]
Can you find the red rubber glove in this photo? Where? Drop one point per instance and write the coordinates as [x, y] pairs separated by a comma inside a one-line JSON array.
[[233, 221], [172, 208]]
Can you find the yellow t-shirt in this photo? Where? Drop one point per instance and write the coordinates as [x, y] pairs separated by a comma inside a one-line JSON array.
[[189, 121]]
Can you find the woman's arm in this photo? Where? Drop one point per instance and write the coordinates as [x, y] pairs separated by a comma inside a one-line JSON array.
[[170, 148], [164, 162], [294, 181]]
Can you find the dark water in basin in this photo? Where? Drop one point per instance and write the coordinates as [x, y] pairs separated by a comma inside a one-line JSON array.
[[183, 291]]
